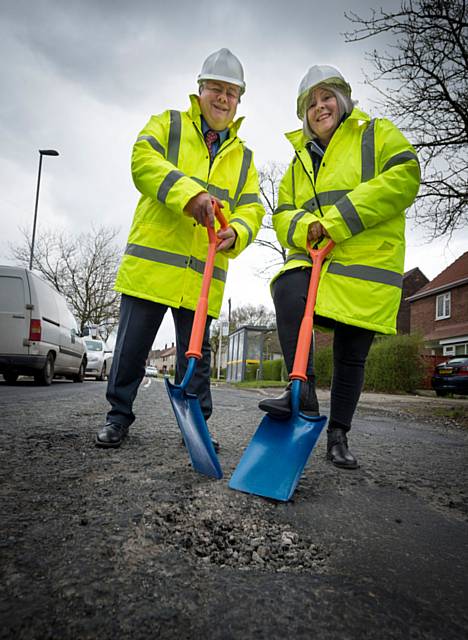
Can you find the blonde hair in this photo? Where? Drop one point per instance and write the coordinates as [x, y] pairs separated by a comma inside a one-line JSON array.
[[344, 102]]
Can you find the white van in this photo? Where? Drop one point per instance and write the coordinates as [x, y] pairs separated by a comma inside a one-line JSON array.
[[38, 334]]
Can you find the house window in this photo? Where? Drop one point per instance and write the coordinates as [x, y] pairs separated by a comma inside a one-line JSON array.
[[461, 349], [449, 350], [443, 306]]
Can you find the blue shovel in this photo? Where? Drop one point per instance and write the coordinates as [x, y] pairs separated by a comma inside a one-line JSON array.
[[186, 405], [273, 461]]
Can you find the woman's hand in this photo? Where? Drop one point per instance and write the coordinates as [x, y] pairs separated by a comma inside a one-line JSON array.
[[315, 232]]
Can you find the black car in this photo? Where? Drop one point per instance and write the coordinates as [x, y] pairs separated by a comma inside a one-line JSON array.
[[451, 377]]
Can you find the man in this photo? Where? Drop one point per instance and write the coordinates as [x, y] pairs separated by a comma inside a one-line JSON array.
[[181, 162]]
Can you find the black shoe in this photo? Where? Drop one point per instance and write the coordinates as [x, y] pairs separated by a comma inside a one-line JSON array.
[[214, 442], [337, 450], [280, 407], [111, 435]]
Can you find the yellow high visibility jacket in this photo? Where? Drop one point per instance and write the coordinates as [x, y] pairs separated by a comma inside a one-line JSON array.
[[368, 176], [166, 251]]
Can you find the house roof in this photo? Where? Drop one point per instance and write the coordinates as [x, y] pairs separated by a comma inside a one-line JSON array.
[[454, 275], [413, 271]]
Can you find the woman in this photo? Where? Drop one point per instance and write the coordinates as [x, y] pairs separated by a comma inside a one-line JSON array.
[[351, 180]]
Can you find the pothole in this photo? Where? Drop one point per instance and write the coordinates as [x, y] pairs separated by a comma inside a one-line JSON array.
[[229, 539]]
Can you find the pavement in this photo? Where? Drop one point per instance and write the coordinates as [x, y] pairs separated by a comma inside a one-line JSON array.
[[131, 543]]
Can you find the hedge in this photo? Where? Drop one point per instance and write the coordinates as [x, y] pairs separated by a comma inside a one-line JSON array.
[[272, 369], [394, 364]]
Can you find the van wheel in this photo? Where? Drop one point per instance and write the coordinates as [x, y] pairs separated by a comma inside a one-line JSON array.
[[10, 377], [46, 375], [441, 394], [80, 376], [103, 373]]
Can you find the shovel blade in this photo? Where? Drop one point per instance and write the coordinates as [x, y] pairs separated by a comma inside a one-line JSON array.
[[276, 456], [194, 430]]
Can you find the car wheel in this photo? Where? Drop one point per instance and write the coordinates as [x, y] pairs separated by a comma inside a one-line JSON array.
[[10, 377], [103, 373], [441, 394], [80, 376], [46, 375]]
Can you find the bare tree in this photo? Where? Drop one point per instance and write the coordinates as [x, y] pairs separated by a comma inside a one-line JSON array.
[[253, 315], [425, 73], [82, 268], [269, 179]]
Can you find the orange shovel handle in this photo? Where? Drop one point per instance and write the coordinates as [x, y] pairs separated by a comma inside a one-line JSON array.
[[199, 320], [304, 340]]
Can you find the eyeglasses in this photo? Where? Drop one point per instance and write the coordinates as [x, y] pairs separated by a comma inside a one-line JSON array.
[[218, 90]]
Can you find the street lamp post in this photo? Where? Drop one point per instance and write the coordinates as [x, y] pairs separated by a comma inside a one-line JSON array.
[[42, 152]]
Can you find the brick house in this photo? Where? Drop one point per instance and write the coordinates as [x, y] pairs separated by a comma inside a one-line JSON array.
[[163, 359], [413, 281], [439, 311]]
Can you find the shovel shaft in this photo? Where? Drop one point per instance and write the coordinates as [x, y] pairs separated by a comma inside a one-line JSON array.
[[199, 320], [304, 340]]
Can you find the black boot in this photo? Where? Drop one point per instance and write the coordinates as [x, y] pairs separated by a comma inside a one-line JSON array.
[[280, 407], [337, 449], [111, 435]]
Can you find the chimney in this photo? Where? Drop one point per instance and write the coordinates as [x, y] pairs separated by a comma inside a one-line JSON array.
[[172, 344]]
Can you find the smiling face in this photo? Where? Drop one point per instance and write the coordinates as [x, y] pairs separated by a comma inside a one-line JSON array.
[[218, 103], [323, 114]]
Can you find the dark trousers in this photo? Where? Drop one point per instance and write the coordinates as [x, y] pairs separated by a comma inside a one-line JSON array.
[[350, 345], [138, 326]]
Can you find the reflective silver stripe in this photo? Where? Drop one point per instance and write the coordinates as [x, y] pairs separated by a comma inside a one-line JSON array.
[[199, 266], [350, 215], [222, 194], [298, 256], [249, 198], [326, 198], [218, 192], [167, 184], [246, 159], [293, 179], [367, 153], [172, 259], [156, 255], [284, 207], [200, 182], [363, 272], [400, 158], [244, 224], [311, 205], [293, 225], [154, 143], [174, 138]]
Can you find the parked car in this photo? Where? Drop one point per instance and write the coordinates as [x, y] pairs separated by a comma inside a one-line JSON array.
[[99, 358], [451, 377], [38, 334], [151, 371]]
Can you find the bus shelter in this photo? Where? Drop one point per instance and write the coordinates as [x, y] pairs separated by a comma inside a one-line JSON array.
[[245, 347]]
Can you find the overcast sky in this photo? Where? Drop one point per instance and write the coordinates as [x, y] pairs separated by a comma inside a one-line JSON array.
[[83, 77]]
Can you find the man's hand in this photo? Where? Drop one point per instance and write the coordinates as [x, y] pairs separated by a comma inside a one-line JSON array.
[[228, 238], [316, 231], [201, 208]]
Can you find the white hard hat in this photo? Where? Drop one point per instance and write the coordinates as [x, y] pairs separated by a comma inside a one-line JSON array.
[[319, 74], [224, 66]]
